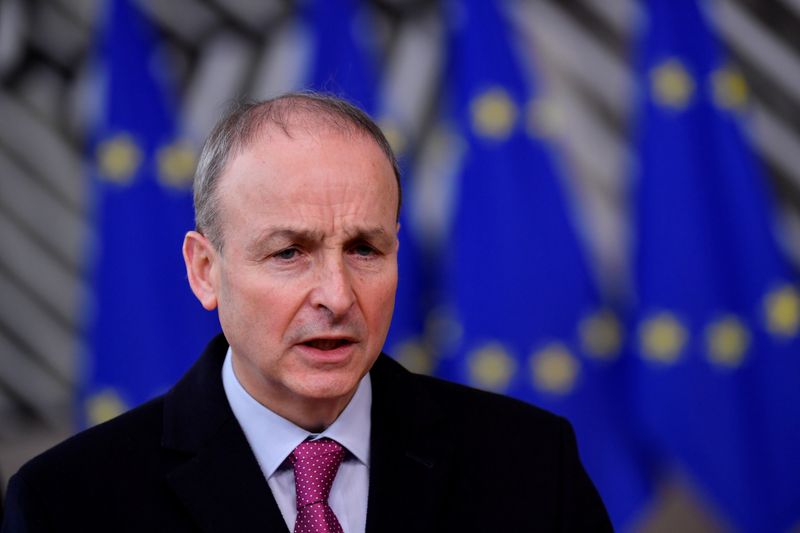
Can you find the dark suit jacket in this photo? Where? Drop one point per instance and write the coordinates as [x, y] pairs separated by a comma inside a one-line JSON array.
[[443, 458]]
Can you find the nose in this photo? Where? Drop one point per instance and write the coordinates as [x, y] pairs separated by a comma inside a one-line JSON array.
[[333, 290]]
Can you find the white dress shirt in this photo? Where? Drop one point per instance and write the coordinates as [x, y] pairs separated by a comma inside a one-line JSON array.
[[272, 438]]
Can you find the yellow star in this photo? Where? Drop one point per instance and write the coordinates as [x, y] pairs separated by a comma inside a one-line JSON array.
[[493, 114], [782, 306], [671, 84], [413, 355], [118, 158], [104, 406], [662, 338], [176, 164], [727, 340], [491, 367], [730, 89], [554, 369], [601, 335]]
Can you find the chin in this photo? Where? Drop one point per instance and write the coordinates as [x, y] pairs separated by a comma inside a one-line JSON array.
[[328, 384]]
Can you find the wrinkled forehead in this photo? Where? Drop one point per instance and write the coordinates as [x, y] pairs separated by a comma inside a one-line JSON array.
[[318, 128], [298, 158]]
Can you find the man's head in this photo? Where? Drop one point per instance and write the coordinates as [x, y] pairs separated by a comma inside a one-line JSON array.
[[247, 121], [296, 203]]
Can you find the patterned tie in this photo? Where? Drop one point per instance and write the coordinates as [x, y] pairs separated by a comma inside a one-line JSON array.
[[315, 464]]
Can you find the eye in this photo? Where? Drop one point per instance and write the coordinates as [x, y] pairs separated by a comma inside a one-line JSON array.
[[364, 250], [287, 255]]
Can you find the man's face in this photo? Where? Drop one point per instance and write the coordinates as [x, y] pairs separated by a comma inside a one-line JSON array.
[[306, 280]]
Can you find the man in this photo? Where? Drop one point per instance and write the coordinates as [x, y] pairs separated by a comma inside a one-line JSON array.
[[293, 420]]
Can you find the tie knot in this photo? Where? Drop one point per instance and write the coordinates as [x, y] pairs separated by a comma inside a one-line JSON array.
[[315, 464]]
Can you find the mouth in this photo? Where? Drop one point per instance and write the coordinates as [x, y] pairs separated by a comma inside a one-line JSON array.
[[327, 345], [327, 350]]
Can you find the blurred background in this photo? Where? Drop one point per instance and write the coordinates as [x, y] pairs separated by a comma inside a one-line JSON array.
[[601, 216]]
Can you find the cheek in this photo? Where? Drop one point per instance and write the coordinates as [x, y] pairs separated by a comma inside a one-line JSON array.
[[243, 306], [265, 309], [382, 302]]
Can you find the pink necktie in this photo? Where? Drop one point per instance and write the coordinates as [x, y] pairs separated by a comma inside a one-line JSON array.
[[315, 464]]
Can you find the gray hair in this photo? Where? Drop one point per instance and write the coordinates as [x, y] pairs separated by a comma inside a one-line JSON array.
[[245, 120]]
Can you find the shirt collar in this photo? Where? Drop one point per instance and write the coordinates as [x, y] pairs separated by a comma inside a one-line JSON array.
[[272, 437]]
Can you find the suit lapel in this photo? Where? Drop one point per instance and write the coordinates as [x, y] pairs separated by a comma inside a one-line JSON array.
[[409, 459], [222, 487], [220, 482]]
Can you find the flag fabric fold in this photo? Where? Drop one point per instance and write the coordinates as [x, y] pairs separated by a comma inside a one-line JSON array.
[[341, 64], [716, 302], [144, 327], [531, 320]]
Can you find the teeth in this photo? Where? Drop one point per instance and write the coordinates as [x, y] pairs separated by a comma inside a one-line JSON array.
[[326, 344]]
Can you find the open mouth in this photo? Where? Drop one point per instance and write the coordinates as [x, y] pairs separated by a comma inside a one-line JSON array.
[[327, 344]]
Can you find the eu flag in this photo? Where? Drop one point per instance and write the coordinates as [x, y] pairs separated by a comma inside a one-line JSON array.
[[408, 341], [341, 62], [718, 310], [144, 325], [532, 324]]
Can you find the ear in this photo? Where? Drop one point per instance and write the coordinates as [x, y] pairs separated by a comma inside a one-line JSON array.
[[397, 238], [200, 257]]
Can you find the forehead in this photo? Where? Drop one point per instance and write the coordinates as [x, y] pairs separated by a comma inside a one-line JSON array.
[[323, 172], [308, 153]]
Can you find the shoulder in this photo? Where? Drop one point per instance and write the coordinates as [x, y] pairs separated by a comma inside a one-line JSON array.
[[464, 409], [480, 431], [136, 438], [79, 480], [489, 422], [122, 443], [458, 394]]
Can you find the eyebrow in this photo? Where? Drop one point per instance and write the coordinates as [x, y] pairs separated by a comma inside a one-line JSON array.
[[370, 234], [282, 234]]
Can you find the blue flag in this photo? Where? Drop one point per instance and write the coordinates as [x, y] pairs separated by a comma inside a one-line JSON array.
[[718, 308], [145, 327], [408, 341], [341, 63], [532, 323]]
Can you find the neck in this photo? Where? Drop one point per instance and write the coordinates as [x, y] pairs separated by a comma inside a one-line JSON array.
[[314, 415]]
